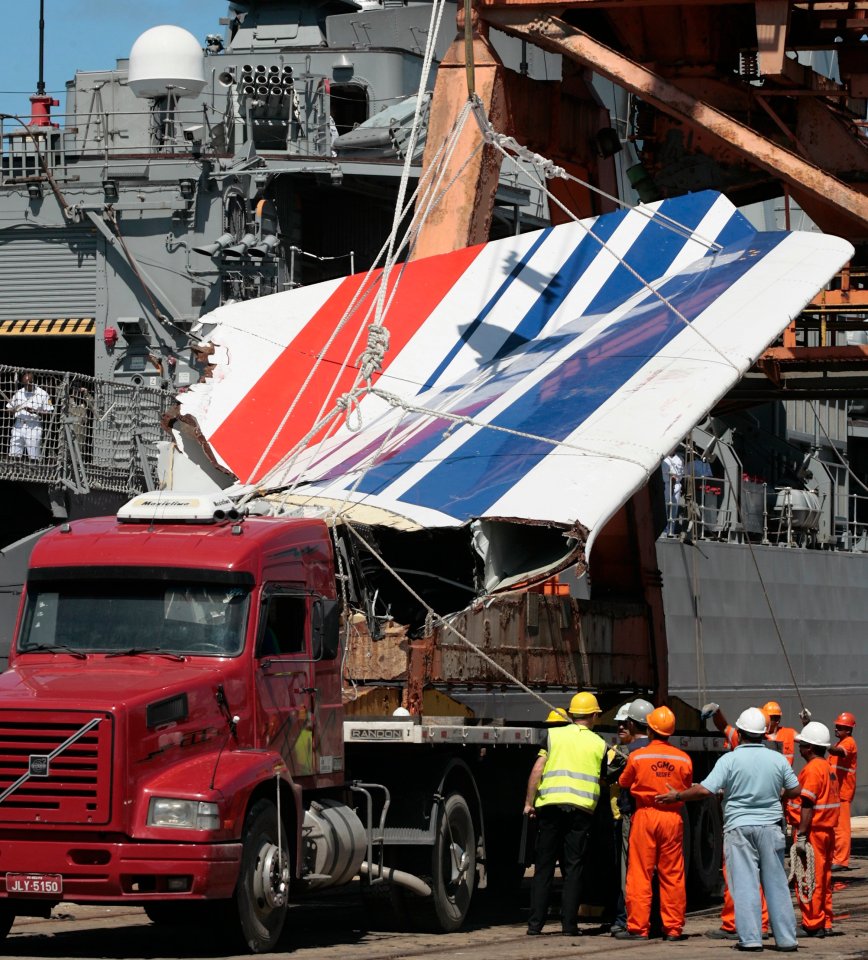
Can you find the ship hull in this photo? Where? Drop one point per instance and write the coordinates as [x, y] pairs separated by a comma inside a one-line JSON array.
[[723, 645]]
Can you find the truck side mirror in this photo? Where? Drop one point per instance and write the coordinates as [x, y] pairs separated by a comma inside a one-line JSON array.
[[325, 629]]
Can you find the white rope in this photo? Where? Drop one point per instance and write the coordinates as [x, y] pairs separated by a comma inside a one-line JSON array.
[[551, 171], [465, 420], [433, 31]]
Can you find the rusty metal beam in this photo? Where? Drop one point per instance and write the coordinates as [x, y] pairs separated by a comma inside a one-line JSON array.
[[555, 35], [463, 216]]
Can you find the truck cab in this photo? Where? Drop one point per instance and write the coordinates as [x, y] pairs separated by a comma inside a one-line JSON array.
[[172, 704]]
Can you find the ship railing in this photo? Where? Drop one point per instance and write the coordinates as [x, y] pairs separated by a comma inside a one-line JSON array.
[[79, 433], [29, 150], [293, 122], [702, 508], [707, 508]]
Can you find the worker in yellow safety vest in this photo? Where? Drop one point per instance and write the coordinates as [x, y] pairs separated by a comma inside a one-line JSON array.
[[562, 793]]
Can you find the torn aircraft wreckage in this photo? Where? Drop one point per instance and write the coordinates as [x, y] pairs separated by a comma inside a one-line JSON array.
[[521, 392]]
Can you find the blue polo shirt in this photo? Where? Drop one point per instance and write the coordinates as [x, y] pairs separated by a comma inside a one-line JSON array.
[[751, 778]]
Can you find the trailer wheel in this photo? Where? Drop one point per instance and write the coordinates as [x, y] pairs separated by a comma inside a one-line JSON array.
[[706, 846], [453, 870], [262, 891]]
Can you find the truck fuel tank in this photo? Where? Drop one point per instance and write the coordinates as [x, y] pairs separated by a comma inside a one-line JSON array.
[[333, 844]]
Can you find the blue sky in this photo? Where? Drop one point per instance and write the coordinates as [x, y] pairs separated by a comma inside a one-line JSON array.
[[85, 35]]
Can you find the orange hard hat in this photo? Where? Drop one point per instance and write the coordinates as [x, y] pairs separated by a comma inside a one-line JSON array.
[[662, 721], [772, 709], [845, 719]]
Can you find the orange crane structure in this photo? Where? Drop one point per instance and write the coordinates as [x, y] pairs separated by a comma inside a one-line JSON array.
[[723, 98]]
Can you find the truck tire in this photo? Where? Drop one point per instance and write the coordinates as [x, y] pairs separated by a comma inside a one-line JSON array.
[[7, 918], [704, 878], [453, 871], [262, 891]]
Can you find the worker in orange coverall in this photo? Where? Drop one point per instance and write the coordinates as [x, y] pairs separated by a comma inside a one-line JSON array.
[[785, 736], [815, 814], [843, 756], [726, 930], [656, 835]]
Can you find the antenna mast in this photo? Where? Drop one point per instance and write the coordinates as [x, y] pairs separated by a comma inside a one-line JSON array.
[[40, 104], [40, 84]]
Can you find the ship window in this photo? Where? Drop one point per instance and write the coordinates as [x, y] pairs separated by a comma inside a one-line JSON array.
[[349, 105]]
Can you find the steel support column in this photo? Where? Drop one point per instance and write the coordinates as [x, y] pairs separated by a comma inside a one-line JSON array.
[[463, 217]]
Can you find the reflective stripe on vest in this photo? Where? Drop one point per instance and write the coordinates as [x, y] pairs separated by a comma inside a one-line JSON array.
[[571, 774]]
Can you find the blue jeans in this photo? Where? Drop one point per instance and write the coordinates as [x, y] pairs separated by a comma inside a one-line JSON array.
[[754, 855]]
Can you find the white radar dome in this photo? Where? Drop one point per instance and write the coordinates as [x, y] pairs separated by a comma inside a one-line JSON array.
[[166, 60]]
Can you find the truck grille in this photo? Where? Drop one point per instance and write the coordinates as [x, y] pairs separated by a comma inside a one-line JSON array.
[[52, 770]]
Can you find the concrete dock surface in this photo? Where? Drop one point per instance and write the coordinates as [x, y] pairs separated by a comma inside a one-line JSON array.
[[336, 929]]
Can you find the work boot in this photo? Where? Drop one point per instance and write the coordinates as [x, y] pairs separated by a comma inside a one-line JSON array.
[[819, 933], [626, 935], [721, 934], [675, 937]]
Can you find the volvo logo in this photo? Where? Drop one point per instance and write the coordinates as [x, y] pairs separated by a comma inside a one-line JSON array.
[[39, 765]]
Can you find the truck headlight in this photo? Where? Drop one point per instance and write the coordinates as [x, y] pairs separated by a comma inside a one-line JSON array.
[[184, 814]]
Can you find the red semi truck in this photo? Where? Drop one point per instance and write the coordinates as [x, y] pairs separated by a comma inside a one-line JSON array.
[[173, 735]]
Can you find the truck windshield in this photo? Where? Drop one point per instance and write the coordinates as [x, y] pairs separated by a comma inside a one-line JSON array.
[[108, 616]]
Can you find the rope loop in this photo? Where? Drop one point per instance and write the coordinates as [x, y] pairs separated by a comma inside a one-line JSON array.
[[802, 873]]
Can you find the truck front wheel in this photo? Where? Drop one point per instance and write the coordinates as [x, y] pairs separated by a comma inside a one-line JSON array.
[[263, 884]]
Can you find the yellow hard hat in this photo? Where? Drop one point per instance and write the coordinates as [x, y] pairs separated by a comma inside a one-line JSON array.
[[583, 704], [558, 716], [662, 721]]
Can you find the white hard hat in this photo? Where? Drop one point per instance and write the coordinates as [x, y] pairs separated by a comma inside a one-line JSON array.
[[623, 712], [400, 712], [638, 711], [752, 721], [817, 734]]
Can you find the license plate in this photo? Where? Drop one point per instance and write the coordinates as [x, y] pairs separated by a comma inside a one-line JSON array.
[[34, 884]]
